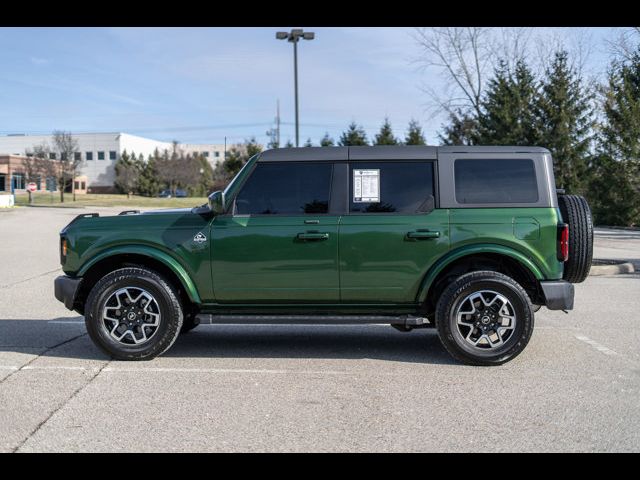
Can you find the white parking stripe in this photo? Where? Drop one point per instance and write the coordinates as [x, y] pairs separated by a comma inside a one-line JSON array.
[[77, 322], [596, 345]]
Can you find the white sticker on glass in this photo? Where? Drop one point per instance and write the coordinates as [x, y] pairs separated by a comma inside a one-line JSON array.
[[366, 186]]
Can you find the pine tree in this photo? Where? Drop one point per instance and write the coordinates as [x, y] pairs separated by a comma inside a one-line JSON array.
[[308, 143], [462, 129], [127, 173], [327, 141], [289, 144], [564, 123], [355, 135], [614, 190], [385, 136], [507, 116], [148, 182], [414, 134]]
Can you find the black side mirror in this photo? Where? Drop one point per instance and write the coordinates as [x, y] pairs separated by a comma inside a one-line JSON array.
[[217, 202]]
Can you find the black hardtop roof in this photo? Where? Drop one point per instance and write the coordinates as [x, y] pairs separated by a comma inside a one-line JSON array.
[[382, 152]]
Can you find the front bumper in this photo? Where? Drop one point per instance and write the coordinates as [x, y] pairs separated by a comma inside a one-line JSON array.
[[558, 294], [65, 289]]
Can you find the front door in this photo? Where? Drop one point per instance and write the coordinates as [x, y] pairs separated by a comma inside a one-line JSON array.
[[392, 234], [280, 244]]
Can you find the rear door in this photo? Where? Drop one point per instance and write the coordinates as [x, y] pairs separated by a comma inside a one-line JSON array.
[[392, 232], [280, 244]]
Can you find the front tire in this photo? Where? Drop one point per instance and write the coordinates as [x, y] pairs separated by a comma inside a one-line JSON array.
[[133, 314], [484, 318]]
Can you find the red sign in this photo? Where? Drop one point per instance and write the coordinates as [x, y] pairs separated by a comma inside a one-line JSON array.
[[31, 187]]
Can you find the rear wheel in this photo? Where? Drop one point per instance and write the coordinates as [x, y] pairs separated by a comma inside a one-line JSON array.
[[133, 314], [484, 318], [577, 214]]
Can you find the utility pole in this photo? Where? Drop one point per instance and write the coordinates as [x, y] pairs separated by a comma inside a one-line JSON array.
[[294, 36]]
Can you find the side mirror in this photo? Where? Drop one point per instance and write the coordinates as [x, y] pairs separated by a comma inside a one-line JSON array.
[[216, 202]]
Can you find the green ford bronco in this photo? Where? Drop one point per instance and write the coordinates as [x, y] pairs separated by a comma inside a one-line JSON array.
[[468, 240]]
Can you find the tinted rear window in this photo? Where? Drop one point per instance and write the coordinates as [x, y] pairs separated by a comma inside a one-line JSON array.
[[496, 181], [402, 187], [286, 188]]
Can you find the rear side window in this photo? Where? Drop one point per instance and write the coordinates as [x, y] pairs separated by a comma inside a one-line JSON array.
[[495, 181], [391, 187], [287, 188]]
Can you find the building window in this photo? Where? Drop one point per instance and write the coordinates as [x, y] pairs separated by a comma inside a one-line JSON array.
[[205, 154], [216, 154], [195, 153], [83, 186], [77, 156], [51, 184], [29, 154], [100, 155], [112, 155], [52, 156], [3, 179], [18, 181], [88, 155]]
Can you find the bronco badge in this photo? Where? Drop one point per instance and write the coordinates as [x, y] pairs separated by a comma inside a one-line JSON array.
[[200, 238]]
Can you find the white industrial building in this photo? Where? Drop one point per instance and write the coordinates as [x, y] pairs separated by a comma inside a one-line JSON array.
[[100, 151]]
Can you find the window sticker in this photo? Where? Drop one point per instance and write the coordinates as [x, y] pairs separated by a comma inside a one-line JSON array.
[[366, 186]]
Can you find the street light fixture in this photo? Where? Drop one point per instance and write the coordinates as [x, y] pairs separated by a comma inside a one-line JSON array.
[[294, 36]]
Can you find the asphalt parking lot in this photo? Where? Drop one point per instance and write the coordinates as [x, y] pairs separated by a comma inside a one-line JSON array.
[[576, 387]]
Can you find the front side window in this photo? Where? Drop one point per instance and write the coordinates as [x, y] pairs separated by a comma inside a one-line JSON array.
[[391, 187], [495, 181], [287, 188]]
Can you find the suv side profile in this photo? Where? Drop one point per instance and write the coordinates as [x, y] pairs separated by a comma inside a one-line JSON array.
[[468, 240]]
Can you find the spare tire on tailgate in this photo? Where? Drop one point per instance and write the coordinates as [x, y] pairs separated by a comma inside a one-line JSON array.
[[577, 214]]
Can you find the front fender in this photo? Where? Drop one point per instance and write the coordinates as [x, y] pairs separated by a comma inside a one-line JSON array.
[[164, 258], [454, 255]]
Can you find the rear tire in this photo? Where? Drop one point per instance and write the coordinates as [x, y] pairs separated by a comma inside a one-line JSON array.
[[487, 308], [577, 214], [133, 314]]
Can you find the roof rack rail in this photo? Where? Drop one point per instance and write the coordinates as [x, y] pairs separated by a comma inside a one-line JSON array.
[[129, 212]]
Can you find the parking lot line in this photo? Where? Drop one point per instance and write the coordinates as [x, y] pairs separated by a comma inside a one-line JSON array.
[[596, 345]]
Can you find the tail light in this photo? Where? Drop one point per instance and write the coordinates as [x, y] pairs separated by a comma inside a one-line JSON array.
[[563, 242]]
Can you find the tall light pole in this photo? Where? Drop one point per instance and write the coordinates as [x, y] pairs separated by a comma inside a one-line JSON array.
[[293, 37]]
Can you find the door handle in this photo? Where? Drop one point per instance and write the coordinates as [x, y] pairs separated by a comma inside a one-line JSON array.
[[312, 236], [422, 235]]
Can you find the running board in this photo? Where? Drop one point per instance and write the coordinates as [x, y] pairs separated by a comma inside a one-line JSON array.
[[406, 320]]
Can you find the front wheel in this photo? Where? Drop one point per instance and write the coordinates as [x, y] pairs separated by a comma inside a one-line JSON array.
[[484, 318], [133, 314]]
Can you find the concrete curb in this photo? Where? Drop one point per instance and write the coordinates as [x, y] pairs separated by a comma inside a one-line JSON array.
[[613, 269]]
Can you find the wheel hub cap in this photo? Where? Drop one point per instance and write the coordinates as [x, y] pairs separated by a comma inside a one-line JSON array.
[[485, 319], [131, 316]]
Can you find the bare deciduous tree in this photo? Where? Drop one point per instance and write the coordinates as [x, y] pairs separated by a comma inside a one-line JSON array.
[[66, 146], [625, 43], [463, 55]]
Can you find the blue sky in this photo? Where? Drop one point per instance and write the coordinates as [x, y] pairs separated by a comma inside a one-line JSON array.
[[202, 84]]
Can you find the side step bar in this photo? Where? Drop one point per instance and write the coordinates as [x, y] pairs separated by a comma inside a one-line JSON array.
[[404, 320]]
